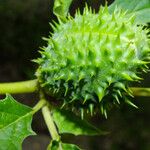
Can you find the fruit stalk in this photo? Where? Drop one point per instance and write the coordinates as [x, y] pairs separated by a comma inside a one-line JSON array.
[[48, 118], [49, 122]]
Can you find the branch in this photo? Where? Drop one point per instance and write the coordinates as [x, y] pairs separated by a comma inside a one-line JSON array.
[[50, 123], [137, 91], [31, 86], [48, 119], [18, 87]]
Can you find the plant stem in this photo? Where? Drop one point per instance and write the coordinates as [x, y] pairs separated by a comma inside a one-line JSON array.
[[39, 105], [137, 91], [43, 103], [31, 86], [50, 123], [18, 87], [48, 119]]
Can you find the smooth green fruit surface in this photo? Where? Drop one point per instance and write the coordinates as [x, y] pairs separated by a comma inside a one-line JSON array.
[[91, 59]]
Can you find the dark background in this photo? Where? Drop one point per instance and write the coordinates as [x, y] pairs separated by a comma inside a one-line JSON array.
[[23, 23]]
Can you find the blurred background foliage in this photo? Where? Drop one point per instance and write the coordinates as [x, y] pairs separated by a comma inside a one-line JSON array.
[[23, 23]]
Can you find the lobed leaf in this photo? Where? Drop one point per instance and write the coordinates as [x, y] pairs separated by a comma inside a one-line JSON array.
[[61, 7], [15, 123], [62, 146], [68, 122], [141, 8]]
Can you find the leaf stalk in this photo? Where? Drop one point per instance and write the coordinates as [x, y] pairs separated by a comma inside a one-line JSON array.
[[39, 105]]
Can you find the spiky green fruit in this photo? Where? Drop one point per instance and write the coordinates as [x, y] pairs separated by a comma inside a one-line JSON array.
[[90, 59]]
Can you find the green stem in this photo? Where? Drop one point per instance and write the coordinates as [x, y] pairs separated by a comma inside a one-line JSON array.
[[43, 103], [39, 105], [18, 87], [48, 119], [31, 86], [137, 91], [50, 123]]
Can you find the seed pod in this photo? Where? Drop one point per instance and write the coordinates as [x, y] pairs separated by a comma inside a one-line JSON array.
[[91, 59]]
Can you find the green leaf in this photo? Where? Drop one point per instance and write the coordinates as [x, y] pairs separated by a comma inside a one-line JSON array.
[[141, 8], [15, 123], [61, 7], [68, 122], [55, 145]]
